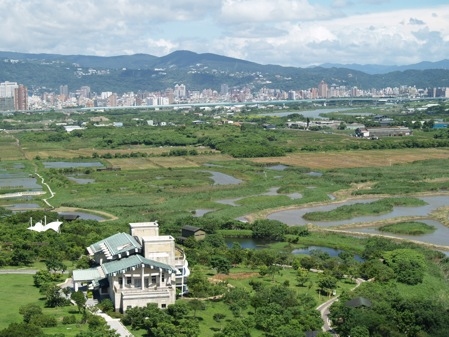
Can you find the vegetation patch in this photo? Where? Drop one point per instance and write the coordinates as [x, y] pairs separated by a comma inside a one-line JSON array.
[[351, 159], [361, 209], [408, 228]]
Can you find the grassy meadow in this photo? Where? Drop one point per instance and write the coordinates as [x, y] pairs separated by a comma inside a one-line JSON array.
[[20, 287]]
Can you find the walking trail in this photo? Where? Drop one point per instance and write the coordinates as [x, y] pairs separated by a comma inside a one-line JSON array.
[[324, 310]]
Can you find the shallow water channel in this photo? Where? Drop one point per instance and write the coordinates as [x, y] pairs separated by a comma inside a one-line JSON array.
[[439, 237]]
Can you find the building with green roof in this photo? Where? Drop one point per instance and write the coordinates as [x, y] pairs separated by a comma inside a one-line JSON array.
[[136, 269]]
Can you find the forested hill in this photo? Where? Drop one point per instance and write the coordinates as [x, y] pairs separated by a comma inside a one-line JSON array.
[[197, 71]]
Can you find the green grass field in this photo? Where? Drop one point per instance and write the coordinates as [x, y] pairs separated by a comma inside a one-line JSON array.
[[18, 290]]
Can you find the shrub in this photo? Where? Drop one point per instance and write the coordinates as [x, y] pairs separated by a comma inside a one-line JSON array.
[[44, 321], [106, 305], [69, 319], [219, 316]]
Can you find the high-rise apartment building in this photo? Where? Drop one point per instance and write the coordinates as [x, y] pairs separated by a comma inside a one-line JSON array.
[[170, 95], [64, 91], [322, 90], [85, 91], [180, 91], [7, 89], [13, 96], [224, 90], [21, 98]]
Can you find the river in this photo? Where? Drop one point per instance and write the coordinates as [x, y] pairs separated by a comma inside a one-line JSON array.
[[310, 113]]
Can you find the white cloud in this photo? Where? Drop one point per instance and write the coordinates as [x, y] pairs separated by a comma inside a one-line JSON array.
[[286, 32], [237, 11]]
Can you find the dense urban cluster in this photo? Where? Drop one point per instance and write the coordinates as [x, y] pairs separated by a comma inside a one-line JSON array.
[[14, 96]]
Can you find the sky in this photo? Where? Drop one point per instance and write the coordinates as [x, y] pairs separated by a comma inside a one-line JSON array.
[[296, 33]]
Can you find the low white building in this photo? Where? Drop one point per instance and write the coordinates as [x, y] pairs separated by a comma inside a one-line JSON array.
[[136, 269]]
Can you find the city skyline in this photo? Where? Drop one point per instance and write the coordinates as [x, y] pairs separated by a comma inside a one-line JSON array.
[[289, 33]]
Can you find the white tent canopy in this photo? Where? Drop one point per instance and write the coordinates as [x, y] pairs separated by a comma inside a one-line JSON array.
[[39, 227]]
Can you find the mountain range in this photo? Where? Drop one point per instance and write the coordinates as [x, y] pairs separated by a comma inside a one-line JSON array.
[[46, 72]]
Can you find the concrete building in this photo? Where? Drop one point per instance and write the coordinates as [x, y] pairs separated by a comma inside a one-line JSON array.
[[21, 97], [136, 269], [322, 90], [7, 89]]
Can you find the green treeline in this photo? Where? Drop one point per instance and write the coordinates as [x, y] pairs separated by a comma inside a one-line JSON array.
[[248, 140], [407, 142]]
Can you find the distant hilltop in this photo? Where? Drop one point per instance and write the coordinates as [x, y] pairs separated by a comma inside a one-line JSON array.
[[142, 72]]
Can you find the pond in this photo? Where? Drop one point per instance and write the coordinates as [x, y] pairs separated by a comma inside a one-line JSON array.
[[22, 207], [201, 211], [66, 164], [331, 251], [81, 181], [223, 179], [83, 216], [250, 243], [273, 191], [279, 167], [20, 182]]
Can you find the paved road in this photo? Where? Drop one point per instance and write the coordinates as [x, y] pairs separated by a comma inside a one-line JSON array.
[[324, 309], [114, 323]]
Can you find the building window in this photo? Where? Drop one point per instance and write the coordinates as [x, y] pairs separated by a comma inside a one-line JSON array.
[[164, 306], [120, 282], [146, 282], [153, 279], [137, 283], [128, 280], [163, 277]]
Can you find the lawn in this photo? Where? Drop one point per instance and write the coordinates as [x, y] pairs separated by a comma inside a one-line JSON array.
[[18, 290], [21, 289]]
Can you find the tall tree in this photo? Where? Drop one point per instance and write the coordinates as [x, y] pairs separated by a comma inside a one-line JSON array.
[[80, 300]]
